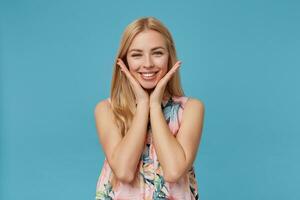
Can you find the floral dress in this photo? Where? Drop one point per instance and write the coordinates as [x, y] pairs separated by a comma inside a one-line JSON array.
[[150, 181]]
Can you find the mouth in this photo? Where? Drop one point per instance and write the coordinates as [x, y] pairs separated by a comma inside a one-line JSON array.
[[148, 75]]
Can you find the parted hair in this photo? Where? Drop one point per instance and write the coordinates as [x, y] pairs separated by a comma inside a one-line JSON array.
[[121, 94]]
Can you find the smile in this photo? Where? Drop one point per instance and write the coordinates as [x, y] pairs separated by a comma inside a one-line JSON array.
[[148, 76]]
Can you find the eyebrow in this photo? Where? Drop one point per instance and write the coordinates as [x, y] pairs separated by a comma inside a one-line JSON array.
[[154, 48]]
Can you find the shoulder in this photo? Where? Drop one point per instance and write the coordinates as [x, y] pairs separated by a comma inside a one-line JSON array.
[[189, 102], [193, 113], [194, 105], [102, 106], [195, 102]]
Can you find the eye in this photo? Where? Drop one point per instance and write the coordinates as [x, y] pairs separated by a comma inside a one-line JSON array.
[[135, 55], [158, 53]]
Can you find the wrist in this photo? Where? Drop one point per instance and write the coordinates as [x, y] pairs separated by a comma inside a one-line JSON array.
[[143, 103], [155, 106]]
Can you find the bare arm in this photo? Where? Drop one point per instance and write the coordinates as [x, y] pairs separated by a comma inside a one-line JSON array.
[[177, 154], [123, 154]]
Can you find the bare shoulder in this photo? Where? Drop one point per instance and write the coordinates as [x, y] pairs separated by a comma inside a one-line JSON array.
[[193, 110], [104, 117], [102, 107], [108, 132], [195, 104]]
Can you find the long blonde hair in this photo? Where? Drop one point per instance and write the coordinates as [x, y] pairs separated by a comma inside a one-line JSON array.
[[122, 95]]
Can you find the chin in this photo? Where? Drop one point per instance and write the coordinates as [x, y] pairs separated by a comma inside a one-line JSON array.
[[148, 86]]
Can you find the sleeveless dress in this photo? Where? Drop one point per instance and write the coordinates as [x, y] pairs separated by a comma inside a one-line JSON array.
[[151, 183]]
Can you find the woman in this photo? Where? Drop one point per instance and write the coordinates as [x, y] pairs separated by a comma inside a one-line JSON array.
[[148, 129]]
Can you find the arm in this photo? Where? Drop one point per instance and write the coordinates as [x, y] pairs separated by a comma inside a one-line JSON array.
[[177, 154], [123, 154]]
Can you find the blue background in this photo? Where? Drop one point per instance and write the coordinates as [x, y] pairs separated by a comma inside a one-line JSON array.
[[241, 58]]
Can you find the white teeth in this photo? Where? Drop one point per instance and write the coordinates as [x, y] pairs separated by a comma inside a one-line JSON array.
[[148, 74]]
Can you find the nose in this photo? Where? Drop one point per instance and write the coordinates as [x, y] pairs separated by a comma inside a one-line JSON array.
[[148, 62]]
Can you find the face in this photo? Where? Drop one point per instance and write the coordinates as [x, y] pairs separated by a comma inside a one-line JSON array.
[[147, 58]]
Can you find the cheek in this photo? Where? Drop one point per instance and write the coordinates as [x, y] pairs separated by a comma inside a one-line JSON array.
[[161, 62], [165, 70], [133, 72], [133, 65]]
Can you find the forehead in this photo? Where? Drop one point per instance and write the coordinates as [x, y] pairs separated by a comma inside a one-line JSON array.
[[148, 39]]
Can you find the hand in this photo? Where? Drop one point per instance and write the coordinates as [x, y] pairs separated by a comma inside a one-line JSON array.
[[157, 94], [140, 94]]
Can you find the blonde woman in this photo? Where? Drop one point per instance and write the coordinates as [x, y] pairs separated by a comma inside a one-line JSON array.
[[148, 129]]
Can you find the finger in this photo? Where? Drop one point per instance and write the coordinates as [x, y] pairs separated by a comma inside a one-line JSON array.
[[121, 64], [172, 71], [176, 65], [123, 67], [126, 71]]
